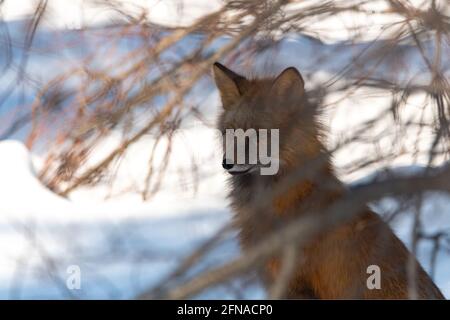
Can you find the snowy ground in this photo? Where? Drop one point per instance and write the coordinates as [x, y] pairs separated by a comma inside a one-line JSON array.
[[123, 244]]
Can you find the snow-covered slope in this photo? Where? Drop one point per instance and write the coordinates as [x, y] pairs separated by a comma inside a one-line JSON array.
[[121, 246]]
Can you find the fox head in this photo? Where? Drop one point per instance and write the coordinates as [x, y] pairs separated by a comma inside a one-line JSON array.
[[259, 108]]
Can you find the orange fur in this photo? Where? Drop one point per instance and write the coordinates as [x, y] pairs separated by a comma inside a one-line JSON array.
[[334, 264], [287, 201]]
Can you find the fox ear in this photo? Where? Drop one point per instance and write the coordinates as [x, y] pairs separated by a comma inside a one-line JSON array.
[[289, 82], [228, 83]]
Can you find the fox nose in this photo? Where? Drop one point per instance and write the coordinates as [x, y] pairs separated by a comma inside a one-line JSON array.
[[225, 165]]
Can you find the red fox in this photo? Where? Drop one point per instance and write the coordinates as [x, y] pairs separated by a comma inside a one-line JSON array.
[[334, 264]]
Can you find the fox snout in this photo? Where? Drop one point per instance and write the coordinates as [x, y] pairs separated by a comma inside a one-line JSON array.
[[226, 165], [236, 169]]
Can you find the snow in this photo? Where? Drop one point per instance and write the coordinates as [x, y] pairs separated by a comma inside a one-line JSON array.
[[111, 239], [77, 14], [122, 245]]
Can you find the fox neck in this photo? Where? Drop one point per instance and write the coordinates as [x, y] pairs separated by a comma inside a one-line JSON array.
[[293, 187]]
